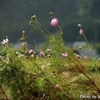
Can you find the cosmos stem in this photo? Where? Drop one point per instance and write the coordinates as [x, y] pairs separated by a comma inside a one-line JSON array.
[[87, 42], [60, 29], [42, 26]]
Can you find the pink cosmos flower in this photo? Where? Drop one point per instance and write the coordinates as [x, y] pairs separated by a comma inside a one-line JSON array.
[[81, 31], [65, 54], [31, 51], [41, 54], [54, 22], [78, 56], [85, 57], [48, 50], [5, 41]]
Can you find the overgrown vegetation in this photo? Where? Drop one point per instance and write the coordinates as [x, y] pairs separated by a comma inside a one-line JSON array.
[[56, 73]]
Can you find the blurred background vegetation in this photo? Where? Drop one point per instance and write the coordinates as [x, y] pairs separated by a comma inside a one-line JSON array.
[[16, 14]]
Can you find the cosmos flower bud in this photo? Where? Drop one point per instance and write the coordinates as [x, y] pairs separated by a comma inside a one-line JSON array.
[[80, 48], [31, 22], [24, 44], [33, 17], [54, 22], [50, 13], [79, 25], [23, 32]]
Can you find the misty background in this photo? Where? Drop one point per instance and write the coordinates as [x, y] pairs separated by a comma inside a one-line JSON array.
[[15, 16]]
